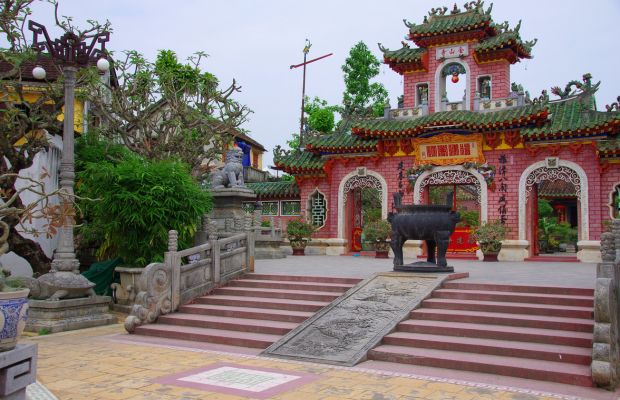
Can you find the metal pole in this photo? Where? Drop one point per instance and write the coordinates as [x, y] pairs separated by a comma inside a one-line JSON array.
[[303, 98], [64, 257]]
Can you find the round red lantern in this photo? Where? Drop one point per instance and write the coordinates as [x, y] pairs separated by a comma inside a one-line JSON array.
[[455, 78]]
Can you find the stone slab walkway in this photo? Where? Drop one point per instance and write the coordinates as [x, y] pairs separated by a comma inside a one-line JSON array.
[[106, 364], [566, 274]]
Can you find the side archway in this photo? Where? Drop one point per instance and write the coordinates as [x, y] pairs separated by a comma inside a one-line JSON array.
[[360, 178], [553, 169]]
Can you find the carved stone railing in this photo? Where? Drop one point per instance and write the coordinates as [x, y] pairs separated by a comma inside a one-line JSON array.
[[605, 348], [251, 174], [189, 273], [512, 101], [406, 113]]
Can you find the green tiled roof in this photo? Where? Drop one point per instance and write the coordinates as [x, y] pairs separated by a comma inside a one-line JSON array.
[[503, 40], [608, 145], [467, 120], [299, 162], [450, 23], [341, 143], [280, 189], [405, 54], [568, 117]]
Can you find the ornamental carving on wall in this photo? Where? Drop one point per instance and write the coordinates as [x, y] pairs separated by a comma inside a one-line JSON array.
[[451, 176], [553, 174], [361, 182]]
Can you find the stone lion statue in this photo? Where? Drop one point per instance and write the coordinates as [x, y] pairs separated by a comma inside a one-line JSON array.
[[231, 175]]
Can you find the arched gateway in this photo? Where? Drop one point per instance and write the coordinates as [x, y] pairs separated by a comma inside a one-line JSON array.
[[552, 169], [453, 174], [361, 178]]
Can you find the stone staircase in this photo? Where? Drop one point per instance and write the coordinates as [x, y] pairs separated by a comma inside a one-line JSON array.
[[542, 333], [254, 311]]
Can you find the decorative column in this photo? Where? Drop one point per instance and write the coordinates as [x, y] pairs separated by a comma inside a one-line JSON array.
[[64, 257]]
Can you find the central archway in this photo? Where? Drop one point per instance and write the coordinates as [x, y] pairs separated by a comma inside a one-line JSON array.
[[453, 174]]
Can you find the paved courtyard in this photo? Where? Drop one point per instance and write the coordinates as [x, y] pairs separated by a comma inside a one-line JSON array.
[[106, 363], [566, 274]]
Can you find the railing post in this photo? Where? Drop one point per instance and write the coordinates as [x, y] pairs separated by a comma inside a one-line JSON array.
[[215, 257], [249, 250], [174, 265]]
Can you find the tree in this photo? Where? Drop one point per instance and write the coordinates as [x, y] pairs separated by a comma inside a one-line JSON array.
[[362, 98], [139, 200], [320, 115], [169, 109], [28, 115]]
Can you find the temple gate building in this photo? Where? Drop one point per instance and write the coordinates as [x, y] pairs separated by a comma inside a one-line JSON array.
[[493, 154]]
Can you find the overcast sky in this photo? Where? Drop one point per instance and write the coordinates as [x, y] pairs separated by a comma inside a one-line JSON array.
[[255, 42]]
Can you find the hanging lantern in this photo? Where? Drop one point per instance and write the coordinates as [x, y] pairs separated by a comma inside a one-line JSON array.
[[455, 77]]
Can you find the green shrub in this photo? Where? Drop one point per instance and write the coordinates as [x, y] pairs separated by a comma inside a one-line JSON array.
[[138, 202], [490, 236], [377, 230], [298, 229]]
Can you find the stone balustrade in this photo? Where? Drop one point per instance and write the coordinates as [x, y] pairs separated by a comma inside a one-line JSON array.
[[190, 273], [406, 113], [605, 348], [486, 105]]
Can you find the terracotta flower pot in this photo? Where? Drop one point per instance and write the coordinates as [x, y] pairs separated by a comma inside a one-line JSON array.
[[489, 256], [13, 316]]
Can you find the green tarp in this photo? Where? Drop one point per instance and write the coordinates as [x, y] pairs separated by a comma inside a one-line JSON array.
[[102, 275]]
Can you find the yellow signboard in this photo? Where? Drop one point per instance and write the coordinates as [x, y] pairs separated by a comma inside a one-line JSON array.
[[449, 149]]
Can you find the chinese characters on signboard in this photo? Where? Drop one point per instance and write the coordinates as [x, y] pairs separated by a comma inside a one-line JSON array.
[[451, 52], [447, 150], [401, 175], [503, 188]]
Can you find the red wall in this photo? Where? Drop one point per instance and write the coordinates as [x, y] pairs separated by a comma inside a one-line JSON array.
[[600, 184], [498, 70]]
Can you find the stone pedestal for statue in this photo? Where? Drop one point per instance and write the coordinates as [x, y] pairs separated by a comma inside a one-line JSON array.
[[18, 369], [423, 266], [69, 314], [228, 206]]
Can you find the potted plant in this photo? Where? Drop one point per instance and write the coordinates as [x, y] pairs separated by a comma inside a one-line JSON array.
[[489, 237], [299, 233], [13, 301], [378, 233]]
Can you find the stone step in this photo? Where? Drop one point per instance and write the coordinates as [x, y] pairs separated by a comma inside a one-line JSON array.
[[304, 278], [573, 374], [514, 297], [538, 351], [292, 285], [277, 293], [228, 323], [247, 312], [261, 302], [511, 308], [519, 288], [496, 318], [500, 332], [220, 336]]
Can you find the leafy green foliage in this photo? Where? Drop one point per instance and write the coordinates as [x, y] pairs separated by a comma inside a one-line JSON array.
[[490, 236], [320, 115], [293, 143], [168, 108], [377, 230], [551, 232], [469, 218], [362, 98], [138, 202], [298, 229]]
